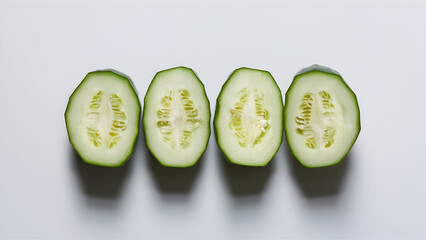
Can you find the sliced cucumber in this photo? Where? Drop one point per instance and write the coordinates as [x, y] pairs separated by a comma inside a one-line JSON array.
[[176, 117], [249, 117], [102, 118], [322, 118]]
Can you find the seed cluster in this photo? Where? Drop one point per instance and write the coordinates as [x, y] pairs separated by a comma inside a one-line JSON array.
[[249, 118], [327, 115], [178, 118], [93, 116], [304, 120], [118, 120], [101, 109]]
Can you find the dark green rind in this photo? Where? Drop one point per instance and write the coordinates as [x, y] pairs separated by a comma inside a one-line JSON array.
[[133, 89], [330, 71], [217, 115], [148, 144], [319, 68]]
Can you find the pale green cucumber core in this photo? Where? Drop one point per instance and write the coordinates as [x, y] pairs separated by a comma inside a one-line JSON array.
[[249, 118], [177, 118], [105, 120], [317, 120]]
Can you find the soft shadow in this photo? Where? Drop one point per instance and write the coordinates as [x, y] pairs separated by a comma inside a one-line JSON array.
[[318, 182], [170, 179], [244, 181], [96, 181]]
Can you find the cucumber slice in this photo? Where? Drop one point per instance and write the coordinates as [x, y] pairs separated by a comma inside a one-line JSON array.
[[176, 117], [322, 118], [102, 118], [249, 117]]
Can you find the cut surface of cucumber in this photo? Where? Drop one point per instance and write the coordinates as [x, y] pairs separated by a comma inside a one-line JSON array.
[[176, 117], [102, 118], [249, 117], [322, 118]]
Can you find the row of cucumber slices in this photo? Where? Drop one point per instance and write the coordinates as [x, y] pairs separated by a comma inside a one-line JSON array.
[[321, 117]]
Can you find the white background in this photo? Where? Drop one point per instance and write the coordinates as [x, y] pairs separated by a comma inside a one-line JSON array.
[[47, 47]]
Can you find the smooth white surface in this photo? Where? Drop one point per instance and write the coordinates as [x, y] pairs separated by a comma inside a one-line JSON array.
[[47, 47]]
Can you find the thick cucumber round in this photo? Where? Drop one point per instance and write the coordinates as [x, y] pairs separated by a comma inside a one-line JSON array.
[[176, 117], [102, 118], [322, 118], [249, 117]]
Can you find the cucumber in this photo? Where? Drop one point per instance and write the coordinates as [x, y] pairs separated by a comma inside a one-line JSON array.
[[102, 118], [248, 120], [176, 117], [322, 118]]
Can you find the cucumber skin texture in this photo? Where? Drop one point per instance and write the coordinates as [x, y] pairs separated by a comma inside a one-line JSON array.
[[209, 117], [331, 71], [216, 117], [132, 86]]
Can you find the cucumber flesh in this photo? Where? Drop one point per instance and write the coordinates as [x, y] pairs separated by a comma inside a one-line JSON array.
[[322, 118], [102, 118], [249, 117], [176, 117]]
